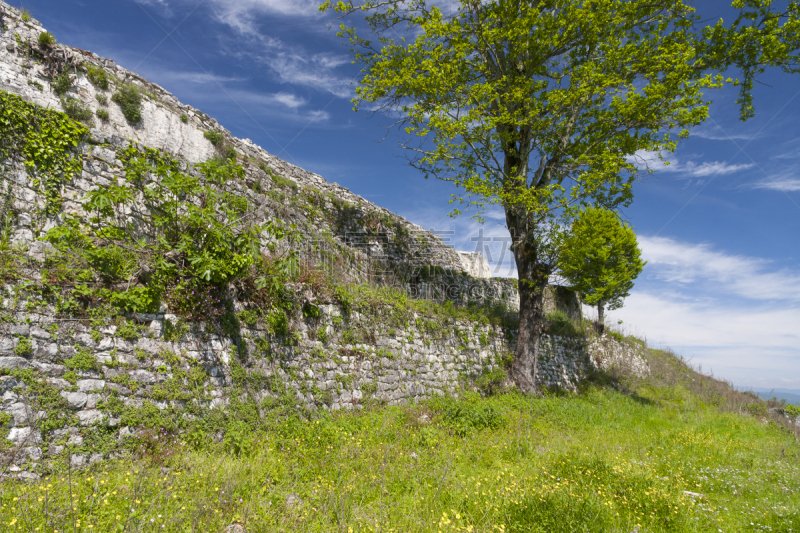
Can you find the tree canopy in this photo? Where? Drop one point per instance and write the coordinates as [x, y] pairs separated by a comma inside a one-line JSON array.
[[601, 258]]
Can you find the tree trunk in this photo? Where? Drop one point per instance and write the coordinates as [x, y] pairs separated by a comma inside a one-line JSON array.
[[600, 321], [532, 283], [533, 272]]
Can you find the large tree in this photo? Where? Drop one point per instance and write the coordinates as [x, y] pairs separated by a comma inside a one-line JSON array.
[[540, 106], [600, 257]]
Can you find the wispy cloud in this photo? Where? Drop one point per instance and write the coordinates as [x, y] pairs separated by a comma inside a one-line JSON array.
[[779, 184], [717, 133], [209, 87], [316, 71], [242, 15], [162, 5], [787, 150], [651, 161], [293, 64], [198, 77], [711, 168], [283, 105], [687, 263], [288, 63]]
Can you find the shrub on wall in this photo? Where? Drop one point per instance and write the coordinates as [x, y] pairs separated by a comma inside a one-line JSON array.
[[191, 238], [76, 109], [130, 101], [63, 83], [46, 39], [98, 77]]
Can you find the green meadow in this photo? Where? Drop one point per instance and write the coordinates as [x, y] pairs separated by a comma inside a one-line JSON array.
[[675, 452]]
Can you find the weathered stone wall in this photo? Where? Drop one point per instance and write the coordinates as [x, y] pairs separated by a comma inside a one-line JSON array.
[[105, 373], [475, 264], [356, 223]]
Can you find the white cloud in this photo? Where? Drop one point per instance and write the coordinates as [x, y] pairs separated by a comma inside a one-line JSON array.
[[162, 5], [310, 70], [717, 133], [279, 105], [713, 168], [197, 77], [645, 160], [751, 346], [241, 15], [747, 277], [292, 64], [735, 314], [201, 87], [779, 184], [289, 100]]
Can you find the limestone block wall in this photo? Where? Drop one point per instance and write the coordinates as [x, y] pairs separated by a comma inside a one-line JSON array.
[[65, 380]]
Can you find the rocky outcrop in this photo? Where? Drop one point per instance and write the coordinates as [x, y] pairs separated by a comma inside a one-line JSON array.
[[171, 126], [475, 264]]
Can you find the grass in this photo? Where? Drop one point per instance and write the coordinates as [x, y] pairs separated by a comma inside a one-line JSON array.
[[46, 39], [658, 458]]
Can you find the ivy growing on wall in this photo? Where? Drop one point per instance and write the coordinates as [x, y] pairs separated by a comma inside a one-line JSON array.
[[166, 234], [45, 140]]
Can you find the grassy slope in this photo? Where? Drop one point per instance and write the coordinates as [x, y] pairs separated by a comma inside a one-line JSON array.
[[667, 455]]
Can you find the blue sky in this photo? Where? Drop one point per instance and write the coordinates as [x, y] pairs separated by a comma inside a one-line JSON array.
[[719, 227]]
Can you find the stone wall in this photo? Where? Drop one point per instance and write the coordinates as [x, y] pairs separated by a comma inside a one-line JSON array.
[[475, 264], [171, 126], [66, 379]]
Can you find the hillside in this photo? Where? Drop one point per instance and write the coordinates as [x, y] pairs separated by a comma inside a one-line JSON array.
[[194, 333], [791, 396]]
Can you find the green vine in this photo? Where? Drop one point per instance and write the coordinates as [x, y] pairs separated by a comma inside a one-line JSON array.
[[45, 139]]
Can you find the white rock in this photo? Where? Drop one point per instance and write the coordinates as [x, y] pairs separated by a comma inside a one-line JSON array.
[[12, 362], [24, 435], [90, 417], [34, 453], [89, 385]]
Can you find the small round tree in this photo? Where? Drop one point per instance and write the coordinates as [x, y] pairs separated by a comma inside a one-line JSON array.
[[600, 257]]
